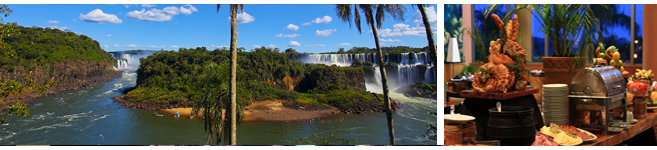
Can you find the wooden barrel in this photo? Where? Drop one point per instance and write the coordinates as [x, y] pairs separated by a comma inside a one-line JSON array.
[[640, 107], [513, 126]]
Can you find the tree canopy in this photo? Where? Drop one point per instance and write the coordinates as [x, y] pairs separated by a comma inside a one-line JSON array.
[[37, 46]]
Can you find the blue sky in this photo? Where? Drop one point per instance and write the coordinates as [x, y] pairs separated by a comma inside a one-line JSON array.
[[310, 28]]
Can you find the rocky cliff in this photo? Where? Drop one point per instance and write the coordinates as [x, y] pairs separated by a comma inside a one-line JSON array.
[[71, 75]]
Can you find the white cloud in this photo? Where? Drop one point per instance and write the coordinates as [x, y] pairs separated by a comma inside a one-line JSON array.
[[389, 40], [116, 45], [152, 46], [52, 22], [217, 46], [57, 27], [74, 20], [97, 16], [287, 35], [344, 44], [191, 7], [174, 46], [326, 32], [147, 5], [325, 19], [161, 15], [293, 43], [321, 45], [189, 10], [291, 27], [271, 46], [170, 10], [431, 15], [106, 46], [132, 45], [244, 18], [256, 46], [310, 45], [150, 15], [108, 35], [401, 30], [126, 5]]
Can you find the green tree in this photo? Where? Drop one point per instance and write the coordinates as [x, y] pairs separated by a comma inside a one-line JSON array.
[[375, 12], [233, 70], [341, 51], [212, 106], [291, 51]]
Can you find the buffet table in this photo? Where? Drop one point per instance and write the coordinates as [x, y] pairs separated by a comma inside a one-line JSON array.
[[639, 127]]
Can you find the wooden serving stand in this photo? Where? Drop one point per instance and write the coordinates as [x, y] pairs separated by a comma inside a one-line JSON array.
[[497, 95], [478, 103]]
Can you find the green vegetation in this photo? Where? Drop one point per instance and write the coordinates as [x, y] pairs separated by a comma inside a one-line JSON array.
[[36, 46], [170, 77], [332, 139], [8, 57]]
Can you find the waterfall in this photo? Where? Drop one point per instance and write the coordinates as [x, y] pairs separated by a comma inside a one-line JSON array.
[[129, 61], [121, 64], [409, 65]]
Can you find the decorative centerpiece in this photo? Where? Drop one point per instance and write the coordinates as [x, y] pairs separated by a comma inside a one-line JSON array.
[[652, 102], [640, 84], [504, 70]]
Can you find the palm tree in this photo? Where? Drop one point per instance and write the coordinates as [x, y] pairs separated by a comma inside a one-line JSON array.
[[212, 105], [427, 27], [375, 12], [233, 70], [609, 15]]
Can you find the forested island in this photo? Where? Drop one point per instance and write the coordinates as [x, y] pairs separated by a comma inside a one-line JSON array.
[[171, 79], [38, 61]]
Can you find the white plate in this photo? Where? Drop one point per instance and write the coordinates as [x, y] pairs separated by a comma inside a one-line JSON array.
[[554, 85], [458, 118], [651, 107], [589, 133]]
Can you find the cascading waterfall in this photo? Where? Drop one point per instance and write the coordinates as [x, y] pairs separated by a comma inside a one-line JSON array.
[[409, 65], [121, 64], [129, 61]]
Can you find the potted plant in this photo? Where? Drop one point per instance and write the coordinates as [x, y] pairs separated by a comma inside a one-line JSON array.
[[567, 26]]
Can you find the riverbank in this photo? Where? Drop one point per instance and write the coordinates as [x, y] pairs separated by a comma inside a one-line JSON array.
[[269, 110], [69, 84]]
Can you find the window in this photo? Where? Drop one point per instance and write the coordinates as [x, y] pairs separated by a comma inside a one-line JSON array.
[[615, 23], [487, 27], [638, 34]]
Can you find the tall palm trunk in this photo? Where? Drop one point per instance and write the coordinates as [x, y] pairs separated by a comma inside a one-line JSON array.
[[233, 70], [384, 81], [427, 27]]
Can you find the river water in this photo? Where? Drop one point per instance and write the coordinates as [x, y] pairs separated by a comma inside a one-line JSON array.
[[90, 117]]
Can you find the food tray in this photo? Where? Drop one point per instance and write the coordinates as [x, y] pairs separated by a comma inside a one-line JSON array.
[[589, 133], [497, 95]]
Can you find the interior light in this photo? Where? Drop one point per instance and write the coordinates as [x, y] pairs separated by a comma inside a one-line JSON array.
[[635, 55], [636, 41]]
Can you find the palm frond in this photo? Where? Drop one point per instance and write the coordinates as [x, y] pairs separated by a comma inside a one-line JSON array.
[[357, 18], [343, 11], [380, 15]]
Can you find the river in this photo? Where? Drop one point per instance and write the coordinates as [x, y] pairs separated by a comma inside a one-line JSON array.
[[90, 117]]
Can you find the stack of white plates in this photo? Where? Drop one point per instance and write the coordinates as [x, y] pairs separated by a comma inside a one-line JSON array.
[[555, 103]]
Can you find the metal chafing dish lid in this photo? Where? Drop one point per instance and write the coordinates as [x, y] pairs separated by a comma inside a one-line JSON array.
[[599, 81]]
